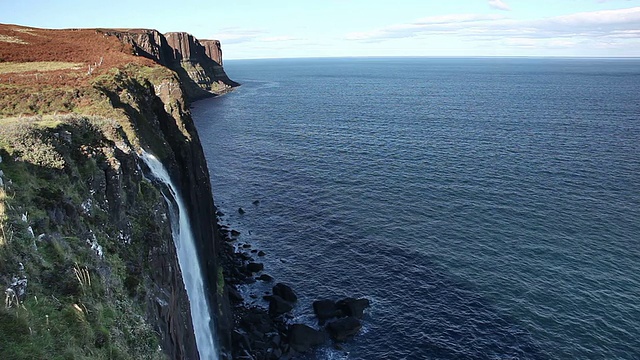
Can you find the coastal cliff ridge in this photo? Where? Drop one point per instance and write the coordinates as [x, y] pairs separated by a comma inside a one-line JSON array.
[[87, 260]]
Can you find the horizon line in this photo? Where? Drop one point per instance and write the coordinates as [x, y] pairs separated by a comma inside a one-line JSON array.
[[440, 57]]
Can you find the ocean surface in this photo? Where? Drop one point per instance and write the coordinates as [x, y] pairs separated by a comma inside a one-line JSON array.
[[489, 208]]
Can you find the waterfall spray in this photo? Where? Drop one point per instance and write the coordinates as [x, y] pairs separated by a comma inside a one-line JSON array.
[[188, 260]]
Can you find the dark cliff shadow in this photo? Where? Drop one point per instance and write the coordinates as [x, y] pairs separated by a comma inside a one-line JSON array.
[[186, 164], [96, 214]]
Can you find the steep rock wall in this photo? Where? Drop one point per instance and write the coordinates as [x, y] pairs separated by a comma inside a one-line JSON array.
[[160, 118], [198, 65], [213, 50], [100, 222]]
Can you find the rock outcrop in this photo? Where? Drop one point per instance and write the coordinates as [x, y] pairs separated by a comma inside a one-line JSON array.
[[198, 63], [147, 43], [213, 50], [158, 110]]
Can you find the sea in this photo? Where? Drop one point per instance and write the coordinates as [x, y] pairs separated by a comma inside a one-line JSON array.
[[489, 208]]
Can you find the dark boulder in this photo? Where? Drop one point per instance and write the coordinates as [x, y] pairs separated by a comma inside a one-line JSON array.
[[255, 267], [285, 292], [325, 309], [256, 202], [278, 305], [342, 329], [241, 340], [235, 233], [265, 277], [261, 253], [353, 307], [234, 295], [302, 337], [257, 322], [241, 211]]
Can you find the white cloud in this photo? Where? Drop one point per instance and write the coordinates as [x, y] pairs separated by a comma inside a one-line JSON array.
[[279, 38], [620, 23], [499, 4], [236, 35], [531, 43], [427, 25]]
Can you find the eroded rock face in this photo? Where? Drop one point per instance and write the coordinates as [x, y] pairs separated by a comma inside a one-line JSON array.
[[147, 43], [185, 46], [198, 64], [159, 109], [213, 50]]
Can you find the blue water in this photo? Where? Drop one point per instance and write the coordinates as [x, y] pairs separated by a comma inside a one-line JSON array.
[[489, 208]]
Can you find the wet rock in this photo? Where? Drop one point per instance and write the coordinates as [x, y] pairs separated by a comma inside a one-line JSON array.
[[302, 337], [255, 267], [234, 295], [342, 329], [241, 211], [353, 307], [261, 253], [235, 233], [246, 246], [242, 339], [285, 292], [265, 277], [325, 309], [245, 256], [278, 305], [256, 202], [258, 322], [277, 353]]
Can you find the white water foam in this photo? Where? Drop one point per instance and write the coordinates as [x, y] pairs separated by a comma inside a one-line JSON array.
[[188, 260]]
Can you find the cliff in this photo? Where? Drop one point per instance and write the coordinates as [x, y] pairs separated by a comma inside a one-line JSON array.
[[87, 261], [198, 64]]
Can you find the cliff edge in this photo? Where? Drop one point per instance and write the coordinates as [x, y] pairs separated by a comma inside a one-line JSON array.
[[197, 63], [87, 260]]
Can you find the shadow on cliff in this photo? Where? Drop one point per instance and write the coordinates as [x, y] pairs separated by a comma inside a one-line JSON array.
[[184, 159], [78, 204]]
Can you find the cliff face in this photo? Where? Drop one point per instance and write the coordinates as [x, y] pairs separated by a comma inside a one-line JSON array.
[[199, 64], [162, 125], [78, 220], [213, 50]]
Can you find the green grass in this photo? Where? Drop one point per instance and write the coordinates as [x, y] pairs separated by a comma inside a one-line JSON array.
[[66, 316], [99, 315], [13, 67]]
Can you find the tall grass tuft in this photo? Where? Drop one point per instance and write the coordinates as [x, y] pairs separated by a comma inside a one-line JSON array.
[[83, 276]]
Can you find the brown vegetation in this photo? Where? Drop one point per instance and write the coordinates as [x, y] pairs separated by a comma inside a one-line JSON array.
[[92, 48]]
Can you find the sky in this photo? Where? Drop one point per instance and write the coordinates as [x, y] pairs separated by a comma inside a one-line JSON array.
[[340, 28]]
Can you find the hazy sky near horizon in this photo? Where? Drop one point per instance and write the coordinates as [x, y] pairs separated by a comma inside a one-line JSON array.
[[319, 28]]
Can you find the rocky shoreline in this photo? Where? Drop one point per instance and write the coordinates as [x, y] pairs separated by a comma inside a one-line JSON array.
[[269, 332]]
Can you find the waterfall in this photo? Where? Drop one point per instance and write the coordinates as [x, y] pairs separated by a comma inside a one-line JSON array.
[[188, 260]]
